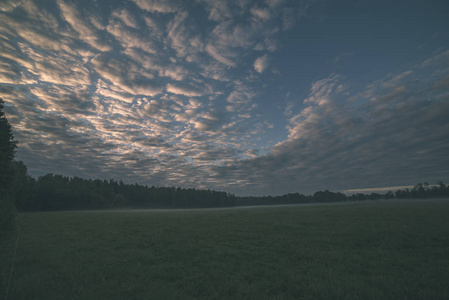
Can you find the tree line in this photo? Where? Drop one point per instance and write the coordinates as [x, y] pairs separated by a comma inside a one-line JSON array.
[[56, 192]]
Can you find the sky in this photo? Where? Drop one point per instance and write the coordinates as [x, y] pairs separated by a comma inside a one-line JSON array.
[[248, 97]]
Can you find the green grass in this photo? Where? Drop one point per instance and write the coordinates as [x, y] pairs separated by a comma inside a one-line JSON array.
[[371, 250]]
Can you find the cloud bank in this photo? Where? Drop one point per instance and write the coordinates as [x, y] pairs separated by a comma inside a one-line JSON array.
[[163, 93]]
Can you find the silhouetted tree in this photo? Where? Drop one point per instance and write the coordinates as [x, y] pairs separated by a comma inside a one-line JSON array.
[[7, 151], [389, 195], [7, 210], [23, 187], [328, 196]]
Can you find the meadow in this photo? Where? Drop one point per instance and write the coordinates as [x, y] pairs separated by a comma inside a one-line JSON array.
[[365, 250]]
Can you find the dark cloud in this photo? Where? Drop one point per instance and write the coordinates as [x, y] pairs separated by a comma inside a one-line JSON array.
[[400, 135], [209, 121]]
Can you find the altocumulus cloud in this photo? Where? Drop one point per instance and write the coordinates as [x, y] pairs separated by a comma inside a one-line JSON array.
[[261, 63], [396, 129], [104, 91], [169, 93]]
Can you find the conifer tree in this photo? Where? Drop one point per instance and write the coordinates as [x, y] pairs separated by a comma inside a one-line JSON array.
[[7, 150], [7, 210]]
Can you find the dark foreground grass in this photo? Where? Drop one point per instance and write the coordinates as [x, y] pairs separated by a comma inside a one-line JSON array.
[[375, 250]]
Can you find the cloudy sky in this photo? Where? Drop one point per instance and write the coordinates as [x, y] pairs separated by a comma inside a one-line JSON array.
[[249, 97]]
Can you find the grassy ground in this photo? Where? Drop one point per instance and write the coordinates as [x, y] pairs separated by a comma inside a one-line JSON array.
[[372, 250]]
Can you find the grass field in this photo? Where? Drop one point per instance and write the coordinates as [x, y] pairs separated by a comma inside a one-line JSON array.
[[369, 250]]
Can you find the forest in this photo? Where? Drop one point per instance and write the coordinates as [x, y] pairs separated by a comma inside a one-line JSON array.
[[56, 192]]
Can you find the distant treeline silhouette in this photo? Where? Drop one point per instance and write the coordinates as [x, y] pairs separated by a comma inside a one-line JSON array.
[[56, 192]]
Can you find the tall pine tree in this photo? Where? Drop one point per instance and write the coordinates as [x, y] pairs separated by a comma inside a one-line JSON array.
[[7, 210], [7, 150]]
